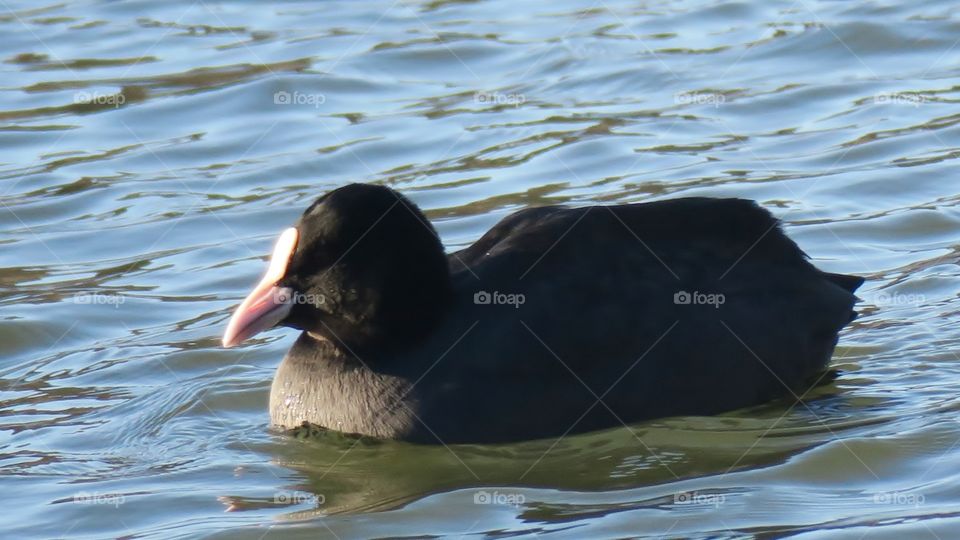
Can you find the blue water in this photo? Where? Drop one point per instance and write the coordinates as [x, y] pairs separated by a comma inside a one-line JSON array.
[[151, 151]]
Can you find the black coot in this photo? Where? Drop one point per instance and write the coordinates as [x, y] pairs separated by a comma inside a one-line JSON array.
[[558, 320]]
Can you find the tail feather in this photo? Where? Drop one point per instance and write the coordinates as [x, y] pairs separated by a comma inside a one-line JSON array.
[[844, 281], [847, 283]]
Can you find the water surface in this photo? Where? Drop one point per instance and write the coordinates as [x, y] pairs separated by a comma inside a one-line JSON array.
[[150, 152]]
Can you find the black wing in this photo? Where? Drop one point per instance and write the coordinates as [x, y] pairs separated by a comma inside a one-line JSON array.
[[701, 300]]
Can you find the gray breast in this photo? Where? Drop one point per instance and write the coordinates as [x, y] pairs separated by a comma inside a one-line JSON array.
[[318, 384]]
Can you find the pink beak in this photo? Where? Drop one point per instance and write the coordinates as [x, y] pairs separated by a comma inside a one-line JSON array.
[[267, 304]]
